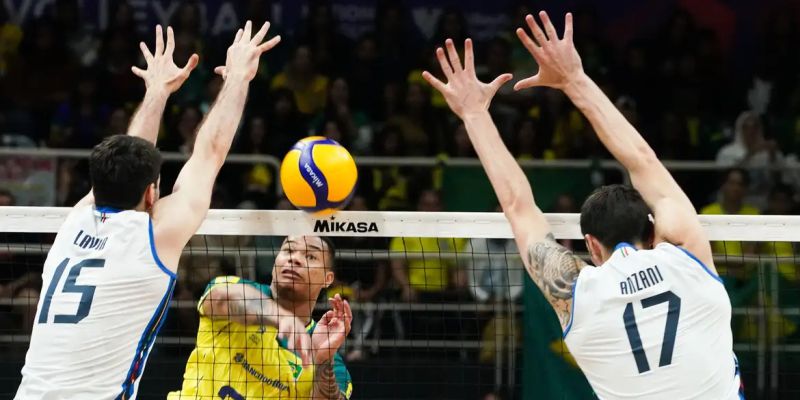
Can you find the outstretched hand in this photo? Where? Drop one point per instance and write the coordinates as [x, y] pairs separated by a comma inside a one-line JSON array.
[[331, 330], [161, 69], [559, 62], [464, 93], [243, 54]]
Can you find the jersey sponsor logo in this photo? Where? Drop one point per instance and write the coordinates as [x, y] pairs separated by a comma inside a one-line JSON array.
[[641, 280], [333, 226], [277, 384]]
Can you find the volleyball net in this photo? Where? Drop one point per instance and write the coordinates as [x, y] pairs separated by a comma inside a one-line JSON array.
[[443, 307]]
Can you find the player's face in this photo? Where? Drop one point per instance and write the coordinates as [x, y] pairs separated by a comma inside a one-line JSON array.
[[734, 188], [302, 266]]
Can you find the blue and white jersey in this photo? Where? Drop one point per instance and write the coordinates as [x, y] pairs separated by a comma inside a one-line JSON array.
[[105, 294], [653, 324]]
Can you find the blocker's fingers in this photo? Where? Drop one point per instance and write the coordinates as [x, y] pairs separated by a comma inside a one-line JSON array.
[[433, 81], [452, 53], [446, 67]]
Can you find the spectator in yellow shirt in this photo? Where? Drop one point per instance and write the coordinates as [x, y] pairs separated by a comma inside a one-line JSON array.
[[738, 277], [425, 273], [310, 88], [731, 202]]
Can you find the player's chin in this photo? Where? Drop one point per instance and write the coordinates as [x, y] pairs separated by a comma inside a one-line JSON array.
[[294, 286]]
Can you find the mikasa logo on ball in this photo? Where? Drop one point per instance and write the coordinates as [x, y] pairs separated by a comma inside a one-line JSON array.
[[325, 226], [314, 177]]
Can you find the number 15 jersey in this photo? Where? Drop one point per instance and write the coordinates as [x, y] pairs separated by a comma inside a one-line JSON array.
[[104, 296], [653, 324]]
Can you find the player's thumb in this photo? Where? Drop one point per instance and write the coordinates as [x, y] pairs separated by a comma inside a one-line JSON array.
[[501, 80], [220, 71], [137, 71], [528, 83], [191, 64]]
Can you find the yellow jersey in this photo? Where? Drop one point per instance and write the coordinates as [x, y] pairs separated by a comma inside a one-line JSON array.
[[426, 270], [237, 362], [728, 248]]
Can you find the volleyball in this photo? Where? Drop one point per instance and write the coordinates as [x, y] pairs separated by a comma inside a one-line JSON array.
[[318, 175]]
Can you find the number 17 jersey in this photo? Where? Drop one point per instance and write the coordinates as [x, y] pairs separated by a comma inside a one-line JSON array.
[[104, 296], [653, 324]]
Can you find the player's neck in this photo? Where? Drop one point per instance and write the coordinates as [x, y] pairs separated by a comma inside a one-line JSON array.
[[301, 308]]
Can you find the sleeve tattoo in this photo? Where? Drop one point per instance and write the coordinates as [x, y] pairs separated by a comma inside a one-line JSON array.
[[554, 269], [259, 310], [325, 386], [253, 311]]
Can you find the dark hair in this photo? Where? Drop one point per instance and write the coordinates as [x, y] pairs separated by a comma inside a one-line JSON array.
[[615, 214], [121, 168], [743, 172]]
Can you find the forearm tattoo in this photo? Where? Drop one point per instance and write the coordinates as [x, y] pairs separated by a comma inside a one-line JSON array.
[[325, 386], [252, 311], [554, 269]]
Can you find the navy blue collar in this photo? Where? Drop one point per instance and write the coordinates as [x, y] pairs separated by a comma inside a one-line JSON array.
[[107, 210]]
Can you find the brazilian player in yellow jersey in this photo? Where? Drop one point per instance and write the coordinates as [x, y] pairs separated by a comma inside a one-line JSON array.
[[258, 341]]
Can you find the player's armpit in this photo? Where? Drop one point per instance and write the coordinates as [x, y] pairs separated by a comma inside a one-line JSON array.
[[677, 223], [554, 269]]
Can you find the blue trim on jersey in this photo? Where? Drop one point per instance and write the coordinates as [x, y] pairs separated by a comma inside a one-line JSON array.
[[623, 244], [161, 265], [572, 309], [108, 210], [705, 268], [736, 372], [146, 343]]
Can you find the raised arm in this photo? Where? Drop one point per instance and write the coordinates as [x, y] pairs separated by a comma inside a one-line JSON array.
[[552, 267], [560, 67], [247, 305], [161, 78], [178, 216]]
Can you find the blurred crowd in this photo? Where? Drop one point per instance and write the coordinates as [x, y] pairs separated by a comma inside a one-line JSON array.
[[64, 85]]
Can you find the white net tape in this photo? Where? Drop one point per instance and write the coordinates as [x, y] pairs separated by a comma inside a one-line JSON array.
[[745, 228]]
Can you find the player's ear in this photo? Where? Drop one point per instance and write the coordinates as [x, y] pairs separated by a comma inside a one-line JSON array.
[[595, 249], [150, 196], [328, 278]]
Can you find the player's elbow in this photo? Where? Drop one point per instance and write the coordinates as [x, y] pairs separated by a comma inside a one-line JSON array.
[[211, 150], [215, 303], [519, 200], [642, 159]]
